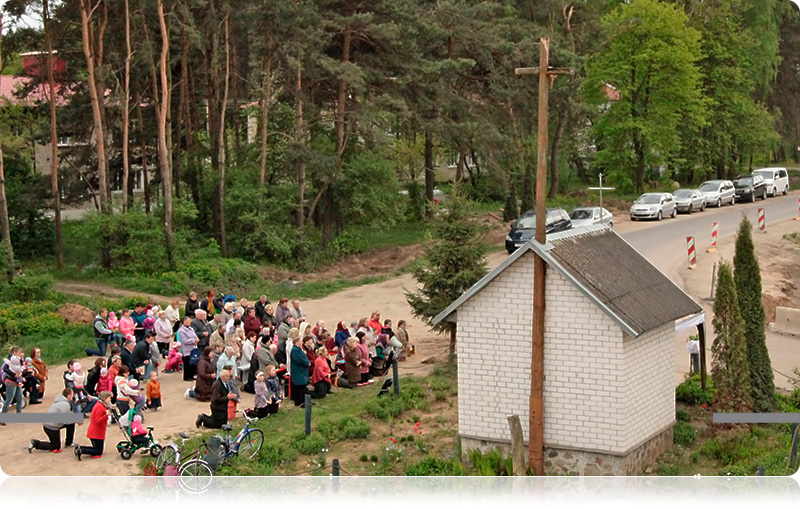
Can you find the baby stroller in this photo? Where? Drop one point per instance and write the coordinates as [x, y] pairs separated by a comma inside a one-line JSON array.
[[127, 447], [26, 396]]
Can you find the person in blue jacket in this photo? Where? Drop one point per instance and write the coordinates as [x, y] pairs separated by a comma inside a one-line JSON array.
[[298, 368]]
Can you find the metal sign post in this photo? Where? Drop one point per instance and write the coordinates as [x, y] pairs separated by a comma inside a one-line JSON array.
[[601, 189]]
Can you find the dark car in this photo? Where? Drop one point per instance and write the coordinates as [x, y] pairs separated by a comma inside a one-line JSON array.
[[750, 187], [524, 229]]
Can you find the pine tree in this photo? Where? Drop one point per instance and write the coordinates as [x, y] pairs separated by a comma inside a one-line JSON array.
[[747, 276], [729, 369], [453, 262]]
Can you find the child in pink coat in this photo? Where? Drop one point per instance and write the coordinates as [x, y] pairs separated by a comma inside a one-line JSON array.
[[138, 432], [174, 359], [104, 383]]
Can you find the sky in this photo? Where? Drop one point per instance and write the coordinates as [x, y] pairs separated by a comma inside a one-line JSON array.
[[32, 21]]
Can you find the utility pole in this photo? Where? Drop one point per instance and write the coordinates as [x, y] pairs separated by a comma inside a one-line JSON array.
[[601, 188], [536, 402]]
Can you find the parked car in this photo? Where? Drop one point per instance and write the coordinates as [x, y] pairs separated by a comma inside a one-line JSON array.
[[776, 179], [689, 200], [524, 229], [586, 216], [750, 187], [717, 192], [653, 206]]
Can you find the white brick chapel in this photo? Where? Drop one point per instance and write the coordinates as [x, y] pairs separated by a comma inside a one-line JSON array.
[[609, 394]]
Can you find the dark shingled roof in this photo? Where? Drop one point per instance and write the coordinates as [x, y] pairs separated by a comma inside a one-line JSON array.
[[622, 279]]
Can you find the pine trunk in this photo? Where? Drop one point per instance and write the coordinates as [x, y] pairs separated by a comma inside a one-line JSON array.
[[429, 173], [301, 163], [126, 109], [4, 226], [223, 244], [266, 101], [54, 162], [163, 153]]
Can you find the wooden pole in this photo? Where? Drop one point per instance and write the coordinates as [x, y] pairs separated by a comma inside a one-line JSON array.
[[536, 404], [517, 446], [701, 333]]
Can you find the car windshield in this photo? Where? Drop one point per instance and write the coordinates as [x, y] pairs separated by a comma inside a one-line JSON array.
[[649, 199], [682, 193], [581, 214], [744, 182], [767, 174], [708, 187], [526, 222]]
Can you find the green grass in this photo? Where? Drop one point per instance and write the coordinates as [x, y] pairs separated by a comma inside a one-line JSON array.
[[400, 234], [792, 237]]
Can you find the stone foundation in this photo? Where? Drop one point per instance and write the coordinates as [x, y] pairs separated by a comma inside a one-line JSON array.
[[576, 462]]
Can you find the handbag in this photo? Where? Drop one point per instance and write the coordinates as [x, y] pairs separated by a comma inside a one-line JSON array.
[[194, 357]]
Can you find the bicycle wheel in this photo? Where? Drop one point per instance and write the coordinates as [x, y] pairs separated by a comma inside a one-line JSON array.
[[251, 443], [167, 456], [195, 476]]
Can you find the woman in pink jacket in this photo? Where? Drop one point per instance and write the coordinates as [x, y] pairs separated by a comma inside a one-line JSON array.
[[366, 361]]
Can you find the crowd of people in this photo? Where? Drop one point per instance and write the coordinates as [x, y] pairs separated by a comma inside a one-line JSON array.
[[221, 347]]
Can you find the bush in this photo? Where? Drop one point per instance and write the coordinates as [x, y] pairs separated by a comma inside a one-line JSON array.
[[690, 391], [683, 433], [411, 396], [682, 415], [431, 466], [274, 453], [308, 444], [27, 288]]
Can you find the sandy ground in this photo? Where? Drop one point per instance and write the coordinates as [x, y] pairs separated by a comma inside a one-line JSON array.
[[778, 260]]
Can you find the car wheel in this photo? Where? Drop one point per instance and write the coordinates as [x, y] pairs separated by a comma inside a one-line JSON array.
[[689, 211], [674, 212], [611, 225], [764, 194], [703, 207], [786, 190], [774, 192], [633, 218], [659, 215], [719, 202], [733, 199], [753, 197]]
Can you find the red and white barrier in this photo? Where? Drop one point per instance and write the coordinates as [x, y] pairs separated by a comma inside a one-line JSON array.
[[691, 250], [762, 223], [714, 237]]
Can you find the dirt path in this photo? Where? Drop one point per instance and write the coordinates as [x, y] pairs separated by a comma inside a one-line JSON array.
[[84, 289]]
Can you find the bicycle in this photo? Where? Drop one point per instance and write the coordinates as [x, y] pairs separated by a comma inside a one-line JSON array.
[[247, 443], [194, 473]]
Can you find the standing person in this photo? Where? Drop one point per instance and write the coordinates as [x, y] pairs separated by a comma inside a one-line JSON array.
[[12, 378], [269, 315], [298, 370], [402, 336], [693, 347], [61, 405], [173, 315], [206, 375], [366, 361], [251, 322], [207, 304], [154, 393], [297, 313], [140, 357], [248, 350], [93, 376], [275, 390], [138, 316], [261, 308], [41, 368], [283, 337], [375, 323], [124, 391], [98, 425], [127, 326], [283, 310], [188, 339], [127, 355], [220, 395], [228, 358], [266, 355], [341, 335], [387, 328], [202, 328], [191, 305], [164, 332], [102, 334], [321, 378]]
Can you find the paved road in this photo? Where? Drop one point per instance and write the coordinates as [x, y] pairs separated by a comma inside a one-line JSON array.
[[664, 243]]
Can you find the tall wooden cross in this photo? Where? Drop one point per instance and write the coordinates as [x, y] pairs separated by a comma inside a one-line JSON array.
[[536, 403]]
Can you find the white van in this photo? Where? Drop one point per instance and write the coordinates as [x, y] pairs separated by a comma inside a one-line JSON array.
[[776, 179]]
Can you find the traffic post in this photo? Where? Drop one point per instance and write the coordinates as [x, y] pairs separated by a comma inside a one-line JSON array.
[[762, 223], [692, 254], [714, 236]]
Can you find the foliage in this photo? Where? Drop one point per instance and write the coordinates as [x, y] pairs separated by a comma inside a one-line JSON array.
[[683, 433], [747, 276], [729, 368], [344, 428], [30, 287], [386, 408], [275, 453], [432, 465], [690, 391], [650, 58], [453, 263], [682, 415], [491, 463], [308, 444]]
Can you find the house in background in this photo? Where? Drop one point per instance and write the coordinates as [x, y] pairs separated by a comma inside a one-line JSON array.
[[609, 354]]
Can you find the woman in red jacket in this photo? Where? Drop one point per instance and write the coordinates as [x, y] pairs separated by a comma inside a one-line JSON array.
[[98, 424]]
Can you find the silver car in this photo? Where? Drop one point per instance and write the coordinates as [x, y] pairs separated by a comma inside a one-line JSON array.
[[653, 206], [586, 216], [689, 200], [717, 192]]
